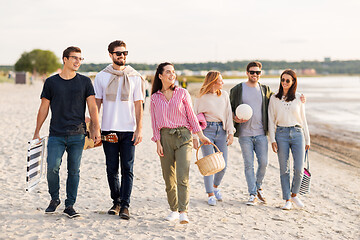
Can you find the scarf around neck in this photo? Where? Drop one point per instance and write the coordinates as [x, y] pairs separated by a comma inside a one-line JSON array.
[[113, 86]]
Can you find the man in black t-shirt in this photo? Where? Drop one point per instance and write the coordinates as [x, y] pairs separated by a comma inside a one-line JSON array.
[[67, 94]]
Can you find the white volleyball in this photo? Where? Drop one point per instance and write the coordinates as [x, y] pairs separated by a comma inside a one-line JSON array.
[[244, 111]]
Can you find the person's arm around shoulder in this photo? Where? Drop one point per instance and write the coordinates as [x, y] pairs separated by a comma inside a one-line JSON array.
[[94, 119], [41, 116]]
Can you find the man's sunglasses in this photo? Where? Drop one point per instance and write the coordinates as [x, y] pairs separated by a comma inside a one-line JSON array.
[[287, 80], [253, 72], [118, 53]]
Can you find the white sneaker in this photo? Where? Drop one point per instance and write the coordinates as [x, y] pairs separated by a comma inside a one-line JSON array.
[[297, 202], [252, 200], [212, 201], [287, 205], [173, 216], [217, 194], [184, 218]]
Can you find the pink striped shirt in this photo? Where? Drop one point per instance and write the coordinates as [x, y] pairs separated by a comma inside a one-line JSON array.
[[177, 112]]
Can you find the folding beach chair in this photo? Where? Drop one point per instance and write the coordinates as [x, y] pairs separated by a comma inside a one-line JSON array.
[[35, 162]]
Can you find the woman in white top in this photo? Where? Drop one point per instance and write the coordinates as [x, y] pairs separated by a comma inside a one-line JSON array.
[[215, 105], [288, 129]]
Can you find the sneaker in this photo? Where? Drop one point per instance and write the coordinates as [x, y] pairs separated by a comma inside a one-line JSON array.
[[287, 205], [260, 195], [183, 218], [124, 213], [172, 216], [52, 206], [114, 210], [212, 201], [252, 200], [70, 212], [218, 194], [297, 202]]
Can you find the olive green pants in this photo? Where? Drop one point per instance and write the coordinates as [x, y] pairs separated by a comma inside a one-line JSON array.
[[175, 164]]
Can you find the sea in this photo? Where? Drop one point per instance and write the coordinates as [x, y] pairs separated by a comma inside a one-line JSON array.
[[332, 102]]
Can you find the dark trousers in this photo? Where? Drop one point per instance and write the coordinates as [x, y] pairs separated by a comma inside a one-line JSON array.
[[122, 153]]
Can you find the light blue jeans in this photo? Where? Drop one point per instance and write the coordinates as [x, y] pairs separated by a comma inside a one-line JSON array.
[[217, 135], [290, 138], [259, 145]]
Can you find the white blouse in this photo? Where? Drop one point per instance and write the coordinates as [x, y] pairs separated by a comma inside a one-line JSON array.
[[287, 114]]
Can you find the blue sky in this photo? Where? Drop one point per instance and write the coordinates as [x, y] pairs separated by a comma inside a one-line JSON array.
[[183, 31]]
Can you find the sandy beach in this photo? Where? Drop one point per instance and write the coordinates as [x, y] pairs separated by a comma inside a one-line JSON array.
[[332, 209]]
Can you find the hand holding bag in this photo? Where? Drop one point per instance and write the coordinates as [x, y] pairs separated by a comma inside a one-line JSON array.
[[305, 182]]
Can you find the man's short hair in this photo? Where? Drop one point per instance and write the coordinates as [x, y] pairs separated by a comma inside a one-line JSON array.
[[69, 50], [253, 64], [114, 44]]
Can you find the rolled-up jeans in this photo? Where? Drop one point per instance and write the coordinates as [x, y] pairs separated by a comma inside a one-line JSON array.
[[217, 135], [120, 154], [259, 145], [57, 145], [175, 165], [290, 138]]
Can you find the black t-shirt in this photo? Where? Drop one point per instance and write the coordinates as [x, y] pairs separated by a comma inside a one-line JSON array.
[[67, 103]]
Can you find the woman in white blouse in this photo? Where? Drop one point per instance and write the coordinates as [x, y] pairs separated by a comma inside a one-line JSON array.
[[215, 105], [288, 129]]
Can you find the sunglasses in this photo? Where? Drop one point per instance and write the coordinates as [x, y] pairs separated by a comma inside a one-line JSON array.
[[253, 72], [118, 53], [287, 80]]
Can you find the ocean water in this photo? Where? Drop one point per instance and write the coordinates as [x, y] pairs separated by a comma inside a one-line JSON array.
[[333, 102]]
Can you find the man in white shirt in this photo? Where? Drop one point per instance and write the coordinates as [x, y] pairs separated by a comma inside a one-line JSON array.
[[119, 89]]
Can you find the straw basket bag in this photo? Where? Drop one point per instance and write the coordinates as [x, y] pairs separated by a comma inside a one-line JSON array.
[[212, 163]]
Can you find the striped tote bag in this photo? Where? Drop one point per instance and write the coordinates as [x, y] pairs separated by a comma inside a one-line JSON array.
[[305, 182]]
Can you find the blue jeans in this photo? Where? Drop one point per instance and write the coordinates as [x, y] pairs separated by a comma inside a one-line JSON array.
[[259, 145], [217, 135], [290, 138], [56, 147], [121, 153]]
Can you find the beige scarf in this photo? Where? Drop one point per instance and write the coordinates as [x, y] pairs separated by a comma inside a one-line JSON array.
[[112, 87]]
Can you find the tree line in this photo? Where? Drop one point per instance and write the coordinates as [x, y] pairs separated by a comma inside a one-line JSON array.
[[44, 62], [325, 67]]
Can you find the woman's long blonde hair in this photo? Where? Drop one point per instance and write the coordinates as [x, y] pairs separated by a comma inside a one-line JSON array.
[[210, 79]]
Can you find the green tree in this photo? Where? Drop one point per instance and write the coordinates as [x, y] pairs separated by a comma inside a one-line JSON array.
[[38, 62]]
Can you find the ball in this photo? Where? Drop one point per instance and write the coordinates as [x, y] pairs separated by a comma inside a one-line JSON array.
[[244, 111]]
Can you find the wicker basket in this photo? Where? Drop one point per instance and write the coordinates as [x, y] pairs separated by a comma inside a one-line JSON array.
[[210, 164]]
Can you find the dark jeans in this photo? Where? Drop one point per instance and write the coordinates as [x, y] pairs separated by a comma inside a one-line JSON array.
[[73, 145], [122, 152]]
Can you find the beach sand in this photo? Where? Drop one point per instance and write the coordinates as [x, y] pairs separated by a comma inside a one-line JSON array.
[[332, 208]]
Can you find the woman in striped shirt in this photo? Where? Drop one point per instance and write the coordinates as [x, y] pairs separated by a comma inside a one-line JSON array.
[[172, 120], [215, 105]]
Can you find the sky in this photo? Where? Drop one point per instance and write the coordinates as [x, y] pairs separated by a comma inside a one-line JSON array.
[[183, 31]]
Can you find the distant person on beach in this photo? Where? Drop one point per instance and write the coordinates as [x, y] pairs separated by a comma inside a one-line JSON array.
[[184, 83], [173, 120], [119, 89], [288, 129], [67, 94], [214, 103]]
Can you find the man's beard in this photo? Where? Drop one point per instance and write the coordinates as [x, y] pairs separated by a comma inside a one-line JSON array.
[[119, 63]]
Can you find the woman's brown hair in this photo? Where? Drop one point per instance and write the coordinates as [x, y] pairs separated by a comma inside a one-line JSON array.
[[210, 80], [291, 93]]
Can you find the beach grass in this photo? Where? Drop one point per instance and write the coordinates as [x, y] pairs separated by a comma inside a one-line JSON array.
[[6, 79]]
